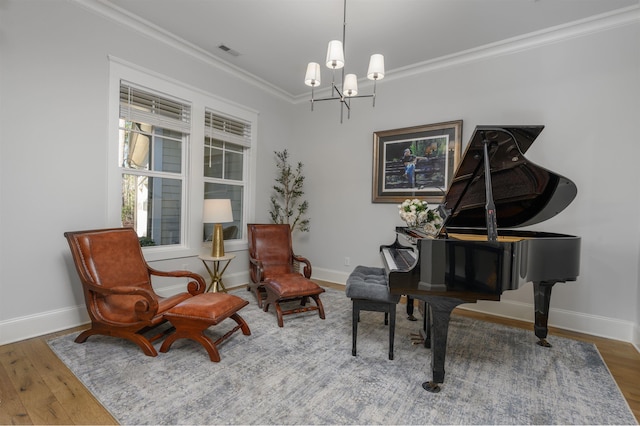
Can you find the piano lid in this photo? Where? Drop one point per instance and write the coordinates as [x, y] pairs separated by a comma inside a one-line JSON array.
[[524, 193]]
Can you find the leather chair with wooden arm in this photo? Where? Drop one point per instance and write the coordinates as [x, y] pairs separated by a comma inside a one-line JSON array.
[[116, 281], [274, 279]]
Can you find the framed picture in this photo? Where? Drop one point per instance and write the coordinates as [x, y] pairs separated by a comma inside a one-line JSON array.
[[415, 162]]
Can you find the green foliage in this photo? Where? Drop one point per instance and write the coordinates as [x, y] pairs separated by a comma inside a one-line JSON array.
[[146, 242], [286, 205]]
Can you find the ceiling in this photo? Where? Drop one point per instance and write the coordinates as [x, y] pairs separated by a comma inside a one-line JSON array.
[[275, 39]]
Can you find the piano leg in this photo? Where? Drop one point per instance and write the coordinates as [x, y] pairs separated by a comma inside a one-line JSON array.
[[439, 312], [541, 300], [423, 337], [426, 325], [410, 316]]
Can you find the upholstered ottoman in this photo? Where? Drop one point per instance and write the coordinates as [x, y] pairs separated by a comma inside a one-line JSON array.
[[367, 287], [286, 287], [196, 314]]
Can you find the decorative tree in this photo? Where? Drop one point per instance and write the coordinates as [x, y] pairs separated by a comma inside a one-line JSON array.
[[286, 206]]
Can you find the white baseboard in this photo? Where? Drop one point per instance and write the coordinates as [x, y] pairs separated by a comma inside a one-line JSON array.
[[594, 325], [636, 337], [330, 275], [21, 328], [26, 327], [567, 320]]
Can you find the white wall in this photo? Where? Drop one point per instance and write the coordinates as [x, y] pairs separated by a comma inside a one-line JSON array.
[[54, 108], [585, 90], [53, 169]]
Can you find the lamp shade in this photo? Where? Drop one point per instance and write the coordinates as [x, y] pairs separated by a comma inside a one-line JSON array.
[[350, 87], [376, 67], [312, 77], [335, 55], [217, 211]]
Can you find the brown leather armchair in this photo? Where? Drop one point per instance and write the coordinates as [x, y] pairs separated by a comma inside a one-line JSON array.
[[117, 286], [273, 277]]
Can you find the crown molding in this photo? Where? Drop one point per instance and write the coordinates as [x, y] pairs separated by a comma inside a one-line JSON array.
[[618, 18], [134, 22], [621, 17]]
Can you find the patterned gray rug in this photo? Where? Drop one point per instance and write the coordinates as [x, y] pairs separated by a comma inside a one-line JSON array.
[[304, 374]]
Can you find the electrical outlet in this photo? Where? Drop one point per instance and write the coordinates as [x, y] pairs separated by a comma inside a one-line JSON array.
[[347, 261]]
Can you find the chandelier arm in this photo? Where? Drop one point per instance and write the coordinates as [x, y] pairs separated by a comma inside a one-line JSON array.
[[334, 98], [360, 96], [340, 93], [342, 99]]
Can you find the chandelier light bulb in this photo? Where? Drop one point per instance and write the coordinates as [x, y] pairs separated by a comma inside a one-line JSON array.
[[350, 87], [376, 67], [335, 55], [312, 77]]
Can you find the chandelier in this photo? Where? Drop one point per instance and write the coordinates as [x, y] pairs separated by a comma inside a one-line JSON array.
[[349, 87]]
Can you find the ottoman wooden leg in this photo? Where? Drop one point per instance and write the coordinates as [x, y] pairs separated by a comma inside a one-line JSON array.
[[188, 328], [279, 315], [193, 316], [242, 323], [320, 306]]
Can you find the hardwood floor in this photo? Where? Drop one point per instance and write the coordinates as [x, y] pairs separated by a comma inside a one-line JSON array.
[[37, 388]]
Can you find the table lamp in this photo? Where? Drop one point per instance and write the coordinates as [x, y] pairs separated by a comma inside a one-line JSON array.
[[217, 211]]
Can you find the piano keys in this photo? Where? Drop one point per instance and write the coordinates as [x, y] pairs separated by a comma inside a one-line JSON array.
[[465, 263]]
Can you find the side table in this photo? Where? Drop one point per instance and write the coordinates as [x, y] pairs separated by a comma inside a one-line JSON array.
[[216, 275]]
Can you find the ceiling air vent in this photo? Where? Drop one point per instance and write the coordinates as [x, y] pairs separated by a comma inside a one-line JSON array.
[[228, 50]]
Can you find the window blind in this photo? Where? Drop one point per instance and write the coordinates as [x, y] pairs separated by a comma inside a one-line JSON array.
[[227, 129], [145, 106]]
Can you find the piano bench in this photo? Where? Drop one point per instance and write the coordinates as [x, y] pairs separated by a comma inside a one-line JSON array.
[[368, 289]]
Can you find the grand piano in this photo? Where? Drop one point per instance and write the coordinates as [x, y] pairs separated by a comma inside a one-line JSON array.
[[478, 255]]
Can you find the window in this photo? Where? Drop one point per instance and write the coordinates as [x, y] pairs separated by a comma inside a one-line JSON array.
[[170, 146], [225, 143], [153, 134]]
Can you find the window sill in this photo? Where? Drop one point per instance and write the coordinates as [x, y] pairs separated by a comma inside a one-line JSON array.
[[153, 254]]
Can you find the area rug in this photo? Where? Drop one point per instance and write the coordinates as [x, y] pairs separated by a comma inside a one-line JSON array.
[[304, 373]]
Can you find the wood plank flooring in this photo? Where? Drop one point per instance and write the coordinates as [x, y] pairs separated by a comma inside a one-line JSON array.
[[37, 388]]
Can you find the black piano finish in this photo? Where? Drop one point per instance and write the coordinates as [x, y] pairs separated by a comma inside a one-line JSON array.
[[523, 192], [462, 265]]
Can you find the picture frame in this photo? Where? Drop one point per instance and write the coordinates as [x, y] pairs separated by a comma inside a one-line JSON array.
[[426, 173]]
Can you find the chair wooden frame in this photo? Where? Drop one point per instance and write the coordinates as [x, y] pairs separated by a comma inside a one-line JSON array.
[[105, 259], [275, 280]]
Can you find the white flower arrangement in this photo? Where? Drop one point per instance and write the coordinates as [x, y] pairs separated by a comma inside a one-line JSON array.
[[417, 214]]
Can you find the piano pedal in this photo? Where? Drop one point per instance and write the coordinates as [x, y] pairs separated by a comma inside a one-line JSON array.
[[416, 339], [431, 386], [544, 343]]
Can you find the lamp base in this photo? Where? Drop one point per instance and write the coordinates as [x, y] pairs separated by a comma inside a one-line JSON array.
[[217, 243]]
